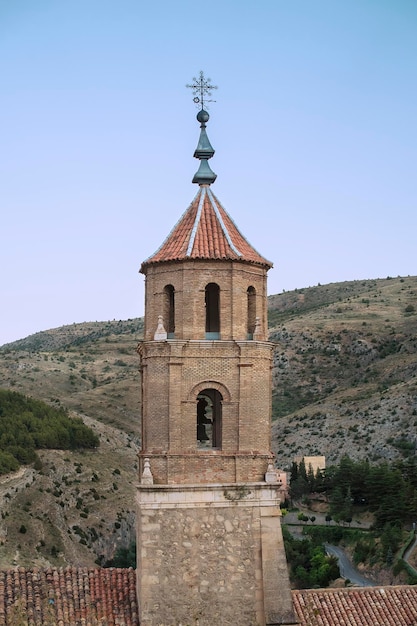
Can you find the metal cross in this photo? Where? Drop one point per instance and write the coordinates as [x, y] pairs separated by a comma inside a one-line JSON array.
[[201, 88]]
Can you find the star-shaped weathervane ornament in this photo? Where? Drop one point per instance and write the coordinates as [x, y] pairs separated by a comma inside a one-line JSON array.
[[201, 89]]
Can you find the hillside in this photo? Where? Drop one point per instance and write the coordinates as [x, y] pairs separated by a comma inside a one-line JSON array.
[[80, 507], [345, 380], [345, 370], [89, 367]]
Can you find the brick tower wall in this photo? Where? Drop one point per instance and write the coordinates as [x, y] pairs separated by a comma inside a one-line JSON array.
[[174, 373], [189, 279]]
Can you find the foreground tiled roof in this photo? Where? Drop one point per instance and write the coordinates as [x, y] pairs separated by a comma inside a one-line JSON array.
[[365, 606], [68, 597], [205, 231], [77, 596]]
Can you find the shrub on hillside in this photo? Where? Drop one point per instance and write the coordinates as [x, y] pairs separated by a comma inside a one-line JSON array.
[[27, 424]]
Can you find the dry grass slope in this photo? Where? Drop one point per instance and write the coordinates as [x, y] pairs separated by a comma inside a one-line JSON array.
[[345, 375]]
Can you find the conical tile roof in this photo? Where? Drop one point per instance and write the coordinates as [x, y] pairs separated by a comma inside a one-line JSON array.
[[205, 231]]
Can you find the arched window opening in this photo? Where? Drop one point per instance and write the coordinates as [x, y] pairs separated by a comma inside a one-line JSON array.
[[212, 302], [251, 311], [169, 310], [209, 419]]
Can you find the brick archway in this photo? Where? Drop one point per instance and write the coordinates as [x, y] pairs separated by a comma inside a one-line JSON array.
[[209, 384]]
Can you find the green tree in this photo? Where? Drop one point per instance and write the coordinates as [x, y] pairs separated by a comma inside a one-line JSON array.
[[390, 539], [27, 424], [124, 557]]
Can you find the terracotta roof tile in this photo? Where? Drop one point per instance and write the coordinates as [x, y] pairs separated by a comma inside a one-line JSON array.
[[205, 231], [365, 606], [80, 596], [68, 596]]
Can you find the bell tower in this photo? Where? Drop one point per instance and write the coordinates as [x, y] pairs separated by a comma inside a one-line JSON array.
[[209, 539]]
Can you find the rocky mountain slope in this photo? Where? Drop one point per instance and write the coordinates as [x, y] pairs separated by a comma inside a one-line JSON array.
[[80, 507], [345, 370], [345, 380]]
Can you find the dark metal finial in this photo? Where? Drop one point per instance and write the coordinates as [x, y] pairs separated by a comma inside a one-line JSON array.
[[201, 89]]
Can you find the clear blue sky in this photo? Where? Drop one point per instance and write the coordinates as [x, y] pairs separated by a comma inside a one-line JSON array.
[[314, 129]]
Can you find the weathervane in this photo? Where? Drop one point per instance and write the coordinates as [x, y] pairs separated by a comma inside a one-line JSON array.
[[201, 88]]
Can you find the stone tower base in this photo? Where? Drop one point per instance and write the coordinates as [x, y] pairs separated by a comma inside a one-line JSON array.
[[211, 555]]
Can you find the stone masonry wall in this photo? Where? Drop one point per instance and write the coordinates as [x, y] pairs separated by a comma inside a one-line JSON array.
[[200, 557]]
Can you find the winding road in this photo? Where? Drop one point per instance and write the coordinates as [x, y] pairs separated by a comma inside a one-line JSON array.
[[347, 570], [346, 567]]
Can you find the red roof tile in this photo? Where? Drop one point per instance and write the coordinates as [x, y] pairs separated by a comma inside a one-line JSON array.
[[68, 597], [364, 606], [80, 596], [205, 231]]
